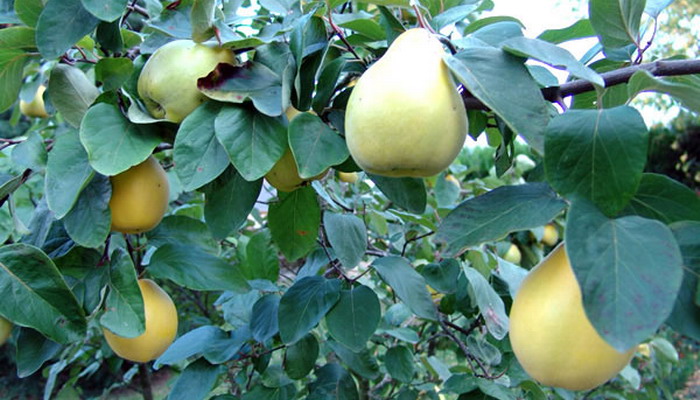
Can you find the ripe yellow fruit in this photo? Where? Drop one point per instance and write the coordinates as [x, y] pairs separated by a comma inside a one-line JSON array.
[[551, 334], [348, 177], [139, 197], [551, 235], [161, 327], [284, 175], [513, 255], [455, 181], [168, 82], [405, 116], [5, 330], [35, 108]]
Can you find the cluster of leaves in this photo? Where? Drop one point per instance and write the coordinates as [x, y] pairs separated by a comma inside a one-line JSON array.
[[325, 292]]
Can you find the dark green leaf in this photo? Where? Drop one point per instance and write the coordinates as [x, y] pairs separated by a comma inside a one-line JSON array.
[[263, 322], [192, 267], [124, 314], [33, 350], [453, 15], [109, 36], [332, 382], [300, 358], [88, 223], [315, 146], [304, 304], [30, 153], [660, 197], [196, 381], [686, 94], [198, 155], [261, 258], [347, 235], [407, 193], [178, 229], [40, 297], [355, 317], [616, 21], [489, 75], [106, 10], [254, 142], [14, 41], [294, 221], [399, 363], [597, 154], [113, 72], [408, 284], [493, 215], [194, 342], [442, 276], [685, 317], [113, 143], [360, 362], [258, 392], [229, 200], [618, 263], [580, 29], [61, 24], [489, 302], [67, 173], [71, 92], [326, 83]]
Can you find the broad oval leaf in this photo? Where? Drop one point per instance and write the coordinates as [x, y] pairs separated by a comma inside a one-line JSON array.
[[71, 92], [660, 197], [228, 201], [355, 317], [618, 263], [408, 284], [597, 154], [125, 314], [106, 10], [61, 24], [263, 322], [89, 222], [347, 235], [616, 21], [304, 304], [178, 229], [194, 342], [40, 297], [300, 357], [67, 173], [399, 363], [685, 317], [489, 302], [687, 93], [315, 146], [33, 350], [15, 42], [361, 362], [332, 382], [294, 221], [196, 381], [407, 193], [442, 276]]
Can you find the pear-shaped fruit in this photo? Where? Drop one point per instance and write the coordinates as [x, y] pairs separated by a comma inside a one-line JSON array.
[[551, 334], [161, 327], [404, 116], [5, 330], [513, 255], [139, 197], [168, 82], [35, 108]]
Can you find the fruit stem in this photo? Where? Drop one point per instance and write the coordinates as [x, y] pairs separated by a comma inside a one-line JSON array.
[[145, 375]]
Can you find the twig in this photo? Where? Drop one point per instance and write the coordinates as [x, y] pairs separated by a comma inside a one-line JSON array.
[[413, 239], [145, 375], [339, 32], [421, 20], [470, 357]]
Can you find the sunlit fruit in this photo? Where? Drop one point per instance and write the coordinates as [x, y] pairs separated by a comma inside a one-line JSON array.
[[35, 108], [5, 330], [551, 334], [168, 82], [348, 177], [139, 197], [161, 327], [405, 116], [513, 255], [550, 236]]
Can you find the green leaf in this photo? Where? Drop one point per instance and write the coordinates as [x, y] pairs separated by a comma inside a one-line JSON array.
[[643, 81], [294, 221], [28, 11], [263, 320], [261, 258], [286, 392], [332, 382], [278, 6], [202, 18], [660, 197], [579, 30], [71, 92], [489, 302], [109, 36], [106, 10], [61, 24], [198, 155], [453, 15], [685, 317], [442, 276], [304, 304], [33, 350], [113, 143], [67, 173], [618, 263], [192, 267], [300, 357], [89, 222], [31, 153], [361, 362], [489, 74], [408, 284], [407, 193], [597, 154], [194, 342], [14, 42], [355, 317], [616, 21], [113, 72], [493, 215], [196, 381], [124, 315], [228, 201], [347, 235], [655, 7], [254, 142], [315, 146], [40, 297], [178, 229], [327, 83], [399, 363], [553, 55]]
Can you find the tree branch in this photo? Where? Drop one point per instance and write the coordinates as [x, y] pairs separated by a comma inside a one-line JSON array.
[[612, 78]]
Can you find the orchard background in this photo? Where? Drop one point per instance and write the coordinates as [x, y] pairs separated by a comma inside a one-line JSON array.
[[382, 288]]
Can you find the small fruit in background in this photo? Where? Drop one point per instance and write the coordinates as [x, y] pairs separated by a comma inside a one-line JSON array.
[[284, 175], [161, 327], [139, 197], [513, 254], [5, 330], [551, 335], [348, 177], [455, 181], [36, 107], [550, 237]]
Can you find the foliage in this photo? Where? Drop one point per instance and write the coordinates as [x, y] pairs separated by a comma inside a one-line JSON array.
[[391, 288]]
